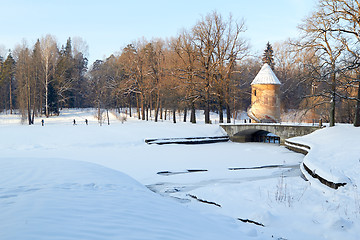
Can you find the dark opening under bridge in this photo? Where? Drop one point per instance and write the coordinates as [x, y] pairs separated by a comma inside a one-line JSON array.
[[251, 132]]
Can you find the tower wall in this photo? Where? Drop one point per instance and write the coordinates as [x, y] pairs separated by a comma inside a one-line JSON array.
[[265, 102]]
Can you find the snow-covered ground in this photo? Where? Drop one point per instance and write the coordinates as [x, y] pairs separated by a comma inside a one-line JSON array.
[[334, 154], [65, 181]]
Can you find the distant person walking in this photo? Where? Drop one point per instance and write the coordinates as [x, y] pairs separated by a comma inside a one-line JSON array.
[[42, 122], [74, 122], [86, 121]]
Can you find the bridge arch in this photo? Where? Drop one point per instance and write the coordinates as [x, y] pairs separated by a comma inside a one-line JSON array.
[[242, 132], [256, 135]]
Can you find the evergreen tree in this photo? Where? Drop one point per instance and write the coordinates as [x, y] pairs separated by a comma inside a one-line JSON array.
[[1, 64], [268, 56], [2, 91], [80, 84], [68, 48], [64, 76], [1, 68], [8, 79], [70, 77], [53, 99]]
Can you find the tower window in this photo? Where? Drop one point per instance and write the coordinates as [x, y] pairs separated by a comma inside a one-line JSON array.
[[255, 93]]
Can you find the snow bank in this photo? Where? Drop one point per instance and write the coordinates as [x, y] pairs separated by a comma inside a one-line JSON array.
[[64, 199], [334, 154]]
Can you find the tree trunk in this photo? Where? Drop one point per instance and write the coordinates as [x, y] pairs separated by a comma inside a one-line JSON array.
[[357, 109], [107, 114], [174, 115], [193, 113], [29, 115], [142, 107], [161, 111], [10, 93], [221, 113], [185, 114], [150, 106], [332, 102], [138, 107], [332, 111], [33, 116], [46, 91], [129, 105], [228, 113], [156, 114], [157, 107], [41, 103], [207, 107], [29, 112], [99, 115], [28, 101]]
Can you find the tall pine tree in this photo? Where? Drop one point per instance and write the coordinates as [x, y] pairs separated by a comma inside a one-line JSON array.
[[64, 76], [2, 91], [1, 64], [8, 79], [1, 67], [268, 56]]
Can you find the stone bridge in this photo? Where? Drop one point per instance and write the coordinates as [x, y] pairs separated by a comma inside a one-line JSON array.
[[251, 131]]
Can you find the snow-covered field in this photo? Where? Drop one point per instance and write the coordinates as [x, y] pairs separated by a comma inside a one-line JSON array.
[[65, 181]]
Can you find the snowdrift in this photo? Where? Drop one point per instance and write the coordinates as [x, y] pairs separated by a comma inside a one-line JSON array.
[[333, 154], [64, 199]]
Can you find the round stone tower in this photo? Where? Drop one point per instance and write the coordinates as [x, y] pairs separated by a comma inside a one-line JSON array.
[[265, 97]]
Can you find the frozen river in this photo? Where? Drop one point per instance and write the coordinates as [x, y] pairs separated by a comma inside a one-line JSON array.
[[223, 181]]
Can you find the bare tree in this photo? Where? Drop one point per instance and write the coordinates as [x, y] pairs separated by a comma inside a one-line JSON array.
[[318, 35], [186, 69], [49, 52], [25, 83], [128, 84], [37, 81], [231, 50], [207, 36], [345, 16], [80, 46], [155, 64], [292, 69], [3, 51]]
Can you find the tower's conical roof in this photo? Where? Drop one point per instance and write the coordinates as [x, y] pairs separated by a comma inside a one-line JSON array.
[[266, 76]]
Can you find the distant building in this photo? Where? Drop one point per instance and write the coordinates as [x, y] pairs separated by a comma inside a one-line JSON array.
[[265, 97]]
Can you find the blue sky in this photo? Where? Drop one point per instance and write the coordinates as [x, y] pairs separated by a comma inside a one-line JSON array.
[[109, 25]]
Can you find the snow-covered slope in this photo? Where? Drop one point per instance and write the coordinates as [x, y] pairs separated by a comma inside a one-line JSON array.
[[63, 199], [334, 154]]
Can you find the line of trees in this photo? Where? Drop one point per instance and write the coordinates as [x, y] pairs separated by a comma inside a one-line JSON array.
[[208, 67], [332, 35], [194, 70], [198, 69], [42, 79]]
